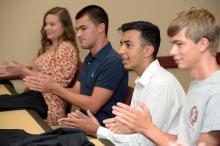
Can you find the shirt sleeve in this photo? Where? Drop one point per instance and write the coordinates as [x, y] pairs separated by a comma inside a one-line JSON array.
[[212, 116], [111, 74], [64, 64], [123, 139]]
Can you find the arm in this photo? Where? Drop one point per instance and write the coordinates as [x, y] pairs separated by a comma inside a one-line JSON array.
[[210, 138], [14, 70], [44, 83], [205, 139], [94, 102]]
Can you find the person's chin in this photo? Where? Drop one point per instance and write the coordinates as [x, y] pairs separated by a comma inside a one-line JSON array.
[[127, 67], [85, 46], [181, 66], [50, 38]]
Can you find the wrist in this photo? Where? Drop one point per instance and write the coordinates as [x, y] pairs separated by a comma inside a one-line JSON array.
[[23, 71], [148, 130], [55, 88], [94, 133], [93, 130]]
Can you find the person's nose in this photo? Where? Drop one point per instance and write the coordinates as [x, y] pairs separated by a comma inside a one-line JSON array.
[[46, 27], [78, 33], [122, 50], [173, 50]]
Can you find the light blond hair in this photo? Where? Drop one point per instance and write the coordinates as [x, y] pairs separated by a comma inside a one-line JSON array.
[[199, 23]]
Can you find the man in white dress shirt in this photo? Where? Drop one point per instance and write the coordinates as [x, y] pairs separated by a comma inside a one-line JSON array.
[[155, 86]]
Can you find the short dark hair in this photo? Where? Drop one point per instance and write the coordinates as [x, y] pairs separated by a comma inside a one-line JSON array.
[[150, 33], [96, 13]]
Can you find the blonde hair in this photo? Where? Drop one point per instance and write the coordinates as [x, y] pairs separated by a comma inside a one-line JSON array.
[[199, 23]]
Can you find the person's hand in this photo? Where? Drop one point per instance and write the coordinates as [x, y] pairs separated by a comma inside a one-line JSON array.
[[89, 123], [116, 126], [3, 71], [39, 82], [11, 68], [136, 120]]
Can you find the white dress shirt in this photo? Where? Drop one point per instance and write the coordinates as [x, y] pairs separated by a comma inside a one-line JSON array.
[[163, 95]]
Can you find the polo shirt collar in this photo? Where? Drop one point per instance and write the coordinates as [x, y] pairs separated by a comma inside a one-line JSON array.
[[148, 73], [101, 54]]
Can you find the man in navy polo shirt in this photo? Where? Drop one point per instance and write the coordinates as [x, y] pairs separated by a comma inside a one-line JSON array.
[[103, 81]]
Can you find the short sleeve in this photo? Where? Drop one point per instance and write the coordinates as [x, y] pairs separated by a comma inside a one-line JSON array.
[[212, 116]]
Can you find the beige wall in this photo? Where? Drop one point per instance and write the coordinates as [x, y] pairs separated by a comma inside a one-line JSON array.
[[21, 21]]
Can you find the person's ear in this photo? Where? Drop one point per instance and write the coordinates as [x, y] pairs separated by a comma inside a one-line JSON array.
[[204, 44], [148, 50], [101, 27]]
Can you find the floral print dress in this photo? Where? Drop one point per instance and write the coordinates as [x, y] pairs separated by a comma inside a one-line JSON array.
[[61, 65]]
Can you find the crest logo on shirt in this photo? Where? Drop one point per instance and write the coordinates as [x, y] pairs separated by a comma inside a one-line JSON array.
[[193, 115]]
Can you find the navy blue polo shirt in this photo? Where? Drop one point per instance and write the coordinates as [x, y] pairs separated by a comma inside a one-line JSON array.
[[104, 70]]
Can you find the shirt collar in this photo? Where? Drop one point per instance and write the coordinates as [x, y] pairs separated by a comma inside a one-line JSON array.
[[148, 73], [101, 54]]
